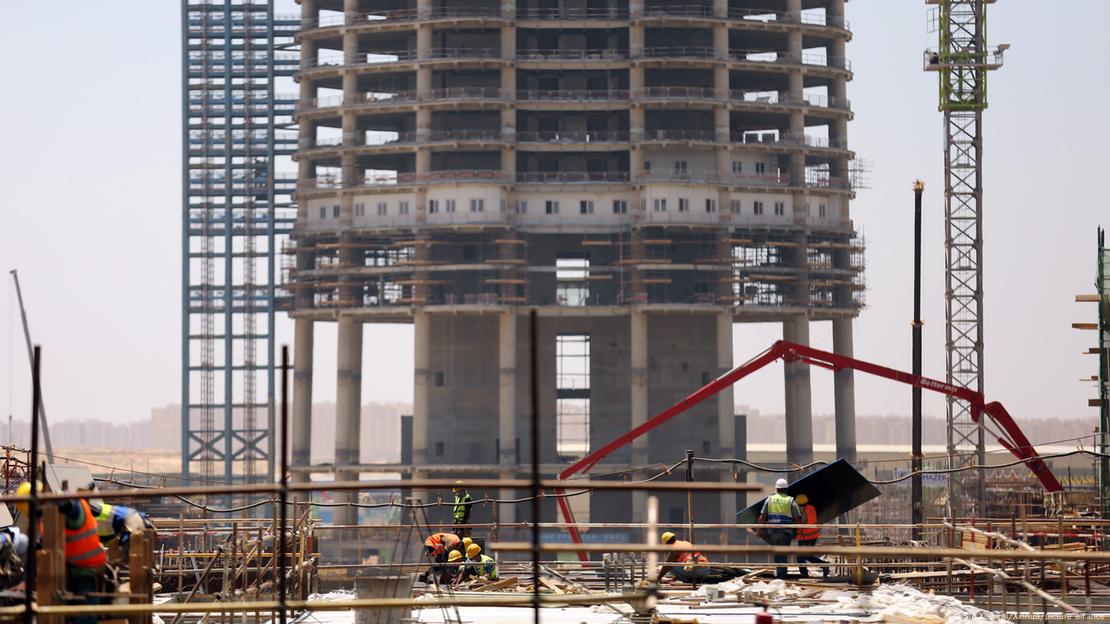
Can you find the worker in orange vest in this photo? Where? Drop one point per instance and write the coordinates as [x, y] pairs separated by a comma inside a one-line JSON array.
[[436, 547], [692, 568], [85, 558], [808, 536]]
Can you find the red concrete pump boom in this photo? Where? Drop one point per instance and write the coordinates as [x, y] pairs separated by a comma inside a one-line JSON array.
[[1009, 435]]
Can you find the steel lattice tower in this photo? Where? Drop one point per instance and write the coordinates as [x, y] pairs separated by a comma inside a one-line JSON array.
[[962, 60], [234, 207]]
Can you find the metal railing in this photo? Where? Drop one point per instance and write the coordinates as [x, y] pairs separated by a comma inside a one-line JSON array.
[[679, 135], [436, 136], [680, 10], [572, 95], [572, 13], [461, 93], [600, 54], [571, 176], [680, 93], [699, 52], [463, 53], [583, 136]]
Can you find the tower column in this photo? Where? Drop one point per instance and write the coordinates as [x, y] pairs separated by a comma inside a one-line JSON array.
[[638, 401], [844, 391], [726, 418], [799, 415], [301, 427], [506, 409], [348, 408], [422, 330]]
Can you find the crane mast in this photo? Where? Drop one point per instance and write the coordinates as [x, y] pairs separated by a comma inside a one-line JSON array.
[[962, 61]]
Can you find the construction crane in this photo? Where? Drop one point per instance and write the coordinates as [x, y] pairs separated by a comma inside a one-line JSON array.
[[962, 61], [1002, 425], [31, 360]]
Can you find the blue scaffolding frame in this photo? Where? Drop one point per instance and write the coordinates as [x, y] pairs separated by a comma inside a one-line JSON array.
[[236, 208]]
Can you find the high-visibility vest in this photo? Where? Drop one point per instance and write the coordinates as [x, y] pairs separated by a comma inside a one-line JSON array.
[[442, 542], [687, 552], [461, 507], [779, 509], [484, 566], [83, 545], [809, 515]]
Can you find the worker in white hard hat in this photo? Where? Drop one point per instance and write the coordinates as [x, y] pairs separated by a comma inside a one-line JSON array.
[[779, 508]]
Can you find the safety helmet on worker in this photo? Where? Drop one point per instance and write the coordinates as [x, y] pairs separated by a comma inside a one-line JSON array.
[[473, 550], [24, 489], [458, 487], [667, 537], [453, 556], [466, 542], [802, 499], [781, 484]]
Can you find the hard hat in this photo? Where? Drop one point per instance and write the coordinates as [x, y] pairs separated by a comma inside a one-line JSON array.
[[458, 486], [802, 499], [24, 489], [467, 542], [454, 555], [781, 484], [473, 550], [667, 537]]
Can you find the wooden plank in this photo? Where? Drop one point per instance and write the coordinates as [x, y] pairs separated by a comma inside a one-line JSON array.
[[1087, 298], [1084, 325], [502, 584], [141, 558], [552, 586]]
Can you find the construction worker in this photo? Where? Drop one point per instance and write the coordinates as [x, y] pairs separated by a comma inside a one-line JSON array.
[[460, 511], [455, 566], [693, 568], [116, 522], [479, 564], [436, 548], [85, 557], [808, 536], [13, 552], [779, 508]]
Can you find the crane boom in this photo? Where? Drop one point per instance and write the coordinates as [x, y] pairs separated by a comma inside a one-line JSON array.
[[1010, 436], [31, 359]]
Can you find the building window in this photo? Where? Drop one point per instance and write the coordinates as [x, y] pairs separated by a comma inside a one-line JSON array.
[[757, 207], [572, 395], [551, 206], [737, 166], [780, 209], [760, 168], [449, 205], [383, 209], [620, 206], [710, 205], [335, 211], [734, 206], [522, 206], [643, 205], [433, 206], [660, 204], [403, 207], [439, 449], [571, 285], [680, 166], [323, 212], [683, 204], [647, 165], [360, 210], [821, 211], [477, 205], [501, 208], [439, 379], [586, 206]]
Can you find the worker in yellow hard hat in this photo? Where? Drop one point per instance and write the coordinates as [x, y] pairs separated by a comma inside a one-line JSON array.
[[460, 511], [480, 565], [692, 568]]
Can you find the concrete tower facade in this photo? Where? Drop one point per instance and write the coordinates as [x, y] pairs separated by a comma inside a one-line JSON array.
[[643, 174]]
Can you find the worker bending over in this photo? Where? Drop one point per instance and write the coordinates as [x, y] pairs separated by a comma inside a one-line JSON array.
[[479, 564], [116, 522], [689, 566], [779, 508], [460, 511], [808, 536], [85, 558], [436, 548]]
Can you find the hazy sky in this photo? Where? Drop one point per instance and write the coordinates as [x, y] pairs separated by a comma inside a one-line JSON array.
[[90, 167]]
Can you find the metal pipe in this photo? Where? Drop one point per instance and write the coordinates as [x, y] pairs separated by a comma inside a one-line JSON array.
[[917, 505], [32, 354], [283, 496], [534, 397], [33, 505]]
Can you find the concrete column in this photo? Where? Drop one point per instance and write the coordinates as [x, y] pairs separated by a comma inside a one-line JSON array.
[[301, 427], [422, 330], [638, 401], [844, 391], [348, 408], [799, 414], [726, 417], [720, 8], [506, 406]]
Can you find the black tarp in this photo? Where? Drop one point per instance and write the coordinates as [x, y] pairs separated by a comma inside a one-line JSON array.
[[833, 491]]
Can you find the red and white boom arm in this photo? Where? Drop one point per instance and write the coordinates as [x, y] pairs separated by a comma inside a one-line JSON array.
[[1009, 436]]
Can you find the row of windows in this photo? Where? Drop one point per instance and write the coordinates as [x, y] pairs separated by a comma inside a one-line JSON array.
[[585, 206]]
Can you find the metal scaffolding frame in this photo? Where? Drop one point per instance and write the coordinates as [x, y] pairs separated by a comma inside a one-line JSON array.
[[235, 206], [962, 61]]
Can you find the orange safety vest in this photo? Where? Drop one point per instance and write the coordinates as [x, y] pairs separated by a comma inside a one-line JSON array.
[[809, 515], [440, 542], [687, 553], [83, 545]]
